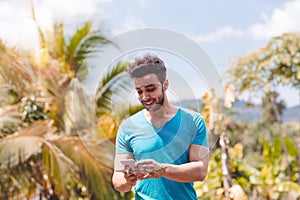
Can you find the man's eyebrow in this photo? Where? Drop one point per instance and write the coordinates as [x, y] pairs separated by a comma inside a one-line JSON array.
[[150, 85]]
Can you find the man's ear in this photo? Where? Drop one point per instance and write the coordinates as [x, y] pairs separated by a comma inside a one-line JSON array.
[[166, 84]]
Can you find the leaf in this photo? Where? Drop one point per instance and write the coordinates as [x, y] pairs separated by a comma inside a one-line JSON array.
[[96, 174], [114, 86], [276, 148], [288, 187], [264, 69], [291, 147], [40, 128], [266, 150]]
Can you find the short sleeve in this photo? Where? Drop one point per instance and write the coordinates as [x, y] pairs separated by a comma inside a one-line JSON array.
[[201, 137], [122, 143]]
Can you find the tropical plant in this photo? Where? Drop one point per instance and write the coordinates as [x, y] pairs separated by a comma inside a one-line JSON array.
[[213, 188], [273, 180], [41, 151], [112, 99], [278, 63], [271, 105], [73, 51], [263, 178], [217, 124]]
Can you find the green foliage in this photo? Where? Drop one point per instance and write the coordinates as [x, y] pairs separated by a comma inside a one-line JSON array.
[[19, 181], [31, 110], [212, 187], [276, 63], [261, 175], [114, 80], [270, 102], [44, 83], [291, 147], [9, 128]]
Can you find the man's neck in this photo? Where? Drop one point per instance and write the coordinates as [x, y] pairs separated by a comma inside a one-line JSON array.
[[162, 115]]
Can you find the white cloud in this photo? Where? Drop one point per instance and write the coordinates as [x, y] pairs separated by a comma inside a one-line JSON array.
[[219, 34], [282, 20], [130, 23], [17, 25], [104, 1], [71, 8], [143, 3], [5, 8]]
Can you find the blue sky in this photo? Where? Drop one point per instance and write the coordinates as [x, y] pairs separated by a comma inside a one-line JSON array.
[[225, 29]]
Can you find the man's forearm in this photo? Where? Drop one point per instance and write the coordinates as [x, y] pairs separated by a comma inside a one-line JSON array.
[[189, 172]]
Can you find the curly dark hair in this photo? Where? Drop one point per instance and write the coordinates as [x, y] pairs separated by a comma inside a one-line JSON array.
[[148, 64]]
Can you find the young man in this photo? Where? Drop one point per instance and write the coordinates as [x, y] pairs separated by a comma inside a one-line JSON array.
[[168, 143]]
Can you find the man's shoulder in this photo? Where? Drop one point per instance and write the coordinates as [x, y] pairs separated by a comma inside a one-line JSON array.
[[132, 119], [191, 114], [187, 111]]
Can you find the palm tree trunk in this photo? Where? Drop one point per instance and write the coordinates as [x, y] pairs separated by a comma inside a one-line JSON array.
[[278, 118], [226, 167]]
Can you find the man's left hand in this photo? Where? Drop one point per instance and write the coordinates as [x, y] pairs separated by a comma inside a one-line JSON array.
[[150, 169]]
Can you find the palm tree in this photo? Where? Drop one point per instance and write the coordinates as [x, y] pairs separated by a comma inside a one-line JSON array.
[[111, 111], [41, 153]]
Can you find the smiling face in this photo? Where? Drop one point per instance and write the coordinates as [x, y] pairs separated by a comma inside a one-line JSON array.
[[150, 91]]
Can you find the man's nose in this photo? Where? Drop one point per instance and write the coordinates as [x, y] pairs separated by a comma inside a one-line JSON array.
[[145, 96]]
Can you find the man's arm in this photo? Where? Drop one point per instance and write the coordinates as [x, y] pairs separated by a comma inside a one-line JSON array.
[[123, 182], [194, 170]]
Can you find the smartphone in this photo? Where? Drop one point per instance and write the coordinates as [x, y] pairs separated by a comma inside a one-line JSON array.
[[128, 166], [128, 163]]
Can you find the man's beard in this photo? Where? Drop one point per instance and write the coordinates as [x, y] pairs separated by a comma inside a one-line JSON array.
[[157, 105]]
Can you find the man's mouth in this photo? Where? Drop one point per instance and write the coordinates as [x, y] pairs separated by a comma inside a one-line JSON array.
[[149, 103]]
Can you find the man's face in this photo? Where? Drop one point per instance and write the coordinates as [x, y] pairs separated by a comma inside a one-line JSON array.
[[150, 91]]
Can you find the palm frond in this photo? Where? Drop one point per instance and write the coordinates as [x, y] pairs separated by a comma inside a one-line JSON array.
[[38, 139], [58, 50], [43, 42], [95, 174], [28, 141], [116, 82], [10, 120], [18, 182], [76, 40], [15, 70], [112, 74], [88, 47]]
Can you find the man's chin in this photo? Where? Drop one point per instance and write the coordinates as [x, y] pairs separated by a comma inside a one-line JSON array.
[[153, 108]]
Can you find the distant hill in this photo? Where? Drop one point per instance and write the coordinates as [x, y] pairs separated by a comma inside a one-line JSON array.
[[244, 113], [254, 113], [292, 114]]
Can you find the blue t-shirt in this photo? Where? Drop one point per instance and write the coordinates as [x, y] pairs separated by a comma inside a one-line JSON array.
[[167, 144]]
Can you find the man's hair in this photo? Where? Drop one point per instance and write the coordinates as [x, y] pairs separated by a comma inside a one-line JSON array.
[[148, 64]]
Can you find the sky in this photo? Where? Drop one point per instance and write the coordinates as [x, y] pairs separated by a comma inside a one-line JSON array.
[[225, 29]]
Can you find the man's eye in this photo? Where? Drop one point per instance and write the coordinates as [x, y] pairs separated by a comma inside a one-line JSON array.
[[139, 91], [151, 89]]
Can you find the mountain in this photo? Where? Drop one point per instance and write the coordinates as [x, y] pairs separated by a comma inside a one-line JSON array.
[[291, 114], [244, 113]]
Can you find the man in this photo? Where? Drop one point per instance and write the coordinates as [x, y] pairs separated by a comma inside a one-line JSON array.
[[168, 143]]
